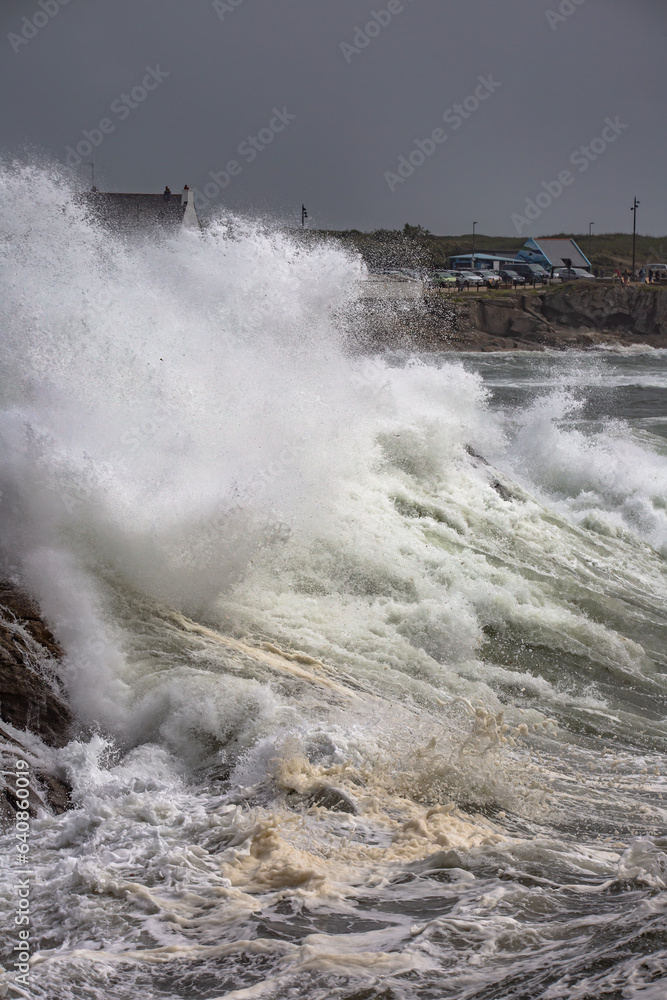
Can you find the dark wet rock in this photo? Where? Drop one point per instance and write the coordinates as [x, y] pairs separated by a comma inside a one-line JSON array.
[[514, 315], [31, 696], [475, 454], [325, 797], [332, 799], [501, 490], [443, 861], [582, 314], [58, 791], [47, 789], [22, 607], [636, 309], [32, 702]]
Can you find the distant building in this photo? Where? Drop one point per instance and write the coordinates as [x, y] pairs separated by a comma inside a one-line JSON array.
[[144, 212], [553, 253], [547, 252], [483, 261]]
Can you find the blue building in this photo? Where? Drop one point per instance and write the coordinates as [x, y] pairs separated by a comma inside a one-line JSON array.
[[549, 253], [483, 262], [553, 253]]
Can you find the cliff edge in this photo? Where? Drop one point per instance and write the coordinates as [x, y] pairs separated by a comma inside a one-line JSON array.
[[601, 313], [581, 314]]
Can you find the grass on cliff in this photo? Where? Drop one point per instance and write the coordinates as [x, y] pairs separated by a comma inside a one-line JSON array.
[[506, 293]]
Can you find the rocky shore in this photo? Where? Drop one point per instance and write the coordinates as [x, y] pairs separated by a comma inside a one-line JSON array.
[[580, 315], [34, 717]]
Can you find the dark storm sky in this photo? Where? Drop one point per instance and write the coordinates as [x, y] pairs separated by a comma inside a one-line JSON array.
[[556, 77]]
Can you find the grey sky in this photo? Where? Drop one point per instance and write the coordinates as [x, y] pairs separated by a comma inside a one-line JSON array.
[[356, 113]]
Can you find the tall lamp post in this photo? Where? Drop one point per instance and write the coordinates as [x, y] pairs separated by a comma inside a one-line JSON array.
[[473, 245], [590, 234], [634, 235]]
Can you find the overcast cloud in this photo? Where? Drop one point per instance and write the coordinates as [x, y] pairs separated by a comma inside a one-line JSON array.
[[339, 109]]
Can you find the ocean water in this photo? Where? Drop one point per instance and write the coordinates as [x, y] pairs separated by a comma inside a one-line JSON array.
[[367, 654]]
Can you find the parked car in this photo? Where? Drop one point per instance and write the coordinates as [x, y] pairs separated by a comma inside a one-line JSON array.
[[491, 279], [473, 274], [468, 278], [573, 274], [512, 278], [532, 272], [494, 275], [443, 279]]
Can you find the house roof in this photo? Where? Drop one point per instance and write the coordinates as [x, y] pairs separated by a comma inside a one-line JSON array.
[[136, 211], [556, 251]]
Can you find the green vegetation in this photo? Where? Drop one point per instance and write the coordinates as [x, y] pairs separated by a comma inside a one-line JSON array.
[[414, 246], [615, 249]]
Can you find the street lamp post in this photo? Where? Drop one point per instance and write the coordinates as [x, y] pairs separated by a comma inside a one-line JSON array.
[[634, 235], [473, 245], [590, 234]]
